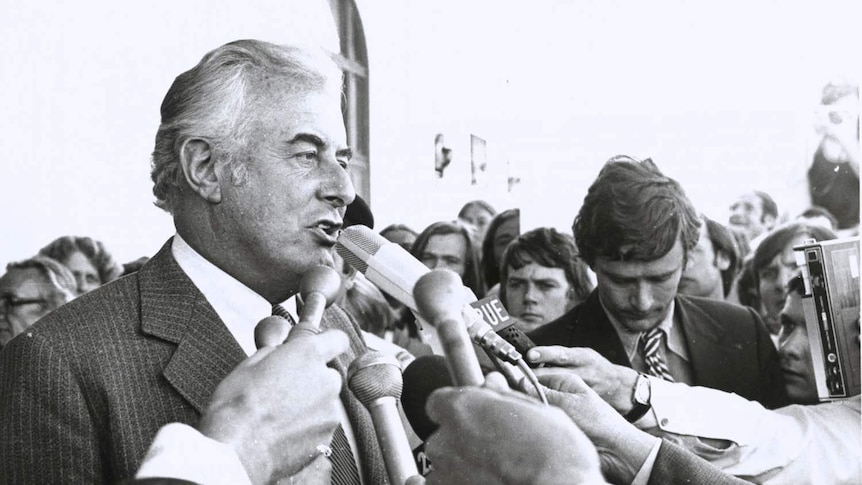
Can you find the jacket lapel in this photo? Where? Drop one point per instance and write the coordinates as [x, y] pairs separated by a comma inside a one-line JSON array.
[[173, 309], [593, 329], [714, 360]]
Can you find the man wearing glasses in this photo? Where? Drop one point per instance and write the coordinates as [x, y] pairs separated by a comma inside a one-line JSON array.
[[29, 290]]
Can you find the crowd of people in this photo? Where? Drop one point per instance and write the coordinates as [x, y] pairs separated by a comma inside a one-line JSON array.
[[672, 346]]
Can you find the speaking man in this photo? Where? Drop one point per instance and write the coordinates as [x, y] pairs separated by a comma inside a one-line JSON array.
[[251, 161], [636, 229]]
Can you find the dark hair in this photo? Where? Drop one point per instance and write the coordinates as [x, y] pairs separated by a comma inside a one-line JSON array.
[[723, 241], [59, 277], [471, 277], [768, 206], [633, 212], [63, 247], [396, 227], [816, 211], [776, 242], [547, 247], [490, 266], [477, 203]]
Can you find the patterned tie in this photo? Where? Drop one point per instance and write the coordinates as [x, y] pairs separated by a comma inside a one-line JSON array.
[[344, 471], [279, 311], [650, 346]]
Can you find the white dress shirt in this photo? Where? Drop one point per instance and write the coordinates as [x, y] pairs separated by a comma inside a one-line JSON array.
[[795, 444], [180, 451]]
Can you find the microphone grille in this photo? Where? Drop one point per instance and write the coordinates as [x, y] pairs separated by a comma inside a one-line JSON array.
[[362, 239], [373, 375]]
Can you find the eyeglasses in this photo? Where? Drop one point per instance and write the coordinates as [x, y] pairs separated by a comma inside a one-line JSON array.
[[8, 302]]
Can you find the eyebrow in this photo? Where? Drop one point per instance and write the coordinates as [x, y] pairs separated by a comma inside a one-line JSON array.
[[319, 143]]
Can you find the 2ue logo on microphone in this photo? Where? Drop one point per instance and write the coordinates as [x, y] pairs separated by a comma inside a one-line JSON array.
[[492, 312]]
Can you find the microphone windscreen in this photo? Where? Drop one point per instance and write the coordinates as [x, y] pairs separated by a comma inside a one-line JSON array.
[[423, 376]]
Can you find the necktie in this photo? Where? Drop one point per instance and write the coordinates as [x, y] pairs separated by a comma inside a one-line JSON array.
[[344, 471], [279, 311], [650, 345]]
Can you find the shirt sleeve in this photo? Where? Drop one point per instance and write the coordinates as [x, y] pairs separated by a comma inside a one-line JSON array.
[[180, 451], [735, 434]]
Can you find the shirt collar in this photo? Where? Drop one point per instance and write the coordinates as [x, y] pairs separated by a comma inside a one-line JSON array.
[[629, 339], [238, 306]]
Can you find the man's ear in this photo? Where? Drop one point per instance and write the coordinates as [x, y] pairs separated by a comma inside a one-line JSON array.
[[198, 164], [722, 261], [768, 221]]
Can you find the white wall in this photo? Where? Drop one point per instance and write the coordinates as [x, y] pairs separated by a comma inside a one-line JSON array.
[[720, 94]]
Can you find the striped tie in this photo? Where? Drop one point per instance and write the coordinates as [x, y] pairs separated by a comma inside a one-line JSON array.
[[651, 346], [344, 471], [279, 311]]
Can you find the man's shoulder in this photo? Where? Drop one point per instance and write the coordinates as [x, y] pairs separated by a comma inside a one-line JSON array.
[[580, 319], [106, 306], [718, 309]]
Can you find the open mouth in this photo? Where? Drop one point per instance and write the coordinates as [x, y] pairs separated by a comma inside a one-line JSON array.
[[330, 228]]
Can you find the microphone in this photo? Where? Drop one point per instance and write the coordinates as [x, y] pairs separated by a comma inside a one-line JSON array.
[[396, 272], [318, 289], [423, 376], [439, 296], [375, 379], [271, 331], [386, 264]]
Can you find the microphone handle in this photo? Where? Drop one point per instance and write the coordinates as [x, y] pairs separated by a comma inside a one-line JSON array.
[[460, 356], [397, 454], [309, 319]]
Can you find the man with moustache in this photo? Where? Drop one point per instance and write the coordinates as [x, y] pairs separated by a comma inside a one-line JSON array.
[[251, 161], [635, 230]]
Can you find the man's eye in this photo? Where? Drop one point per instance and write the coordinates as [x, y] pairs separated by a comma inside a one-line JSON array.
[[306, 158]]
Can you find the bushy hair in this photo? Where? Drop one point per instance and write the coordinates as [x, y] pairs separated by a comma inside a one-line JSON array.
[[633, 212], [490, 265], [60, 278], [216, 101], [550, 248], [63, 247], [471, 277]]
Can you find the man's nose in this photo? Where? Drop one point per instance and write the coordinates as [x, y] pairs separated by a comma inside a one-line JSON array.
[[531, 293], [336, 187], [642, 298]]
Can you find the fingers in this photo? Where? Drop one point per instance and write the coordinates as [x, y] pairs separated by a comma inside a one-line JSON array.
[[496, 382], [324, 346], [561, 356]]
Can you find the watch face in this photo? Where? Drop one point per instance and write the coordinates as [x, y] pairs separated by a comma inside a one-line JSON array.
[[642, 390]]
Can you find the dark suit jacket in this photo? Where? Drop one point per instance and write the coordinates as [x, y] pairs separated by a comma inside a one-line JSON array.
[[84, 391], [674, 465], [728, 345]]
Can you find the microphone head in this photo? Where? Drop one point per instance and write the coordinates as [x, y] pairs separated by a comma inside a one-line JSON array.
[[271, 331], [373, 375], [358, 243], [320, 279], [423, 376], [439, 296]]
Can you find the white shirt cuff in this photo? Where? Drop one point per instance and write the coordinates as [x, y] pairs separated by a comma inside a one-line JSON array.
[[180, 451]]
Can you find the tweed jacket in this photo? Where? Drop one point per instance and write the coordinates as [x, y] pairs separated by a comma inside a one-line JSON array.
[[728, 345], [84, 391], [674, 465]]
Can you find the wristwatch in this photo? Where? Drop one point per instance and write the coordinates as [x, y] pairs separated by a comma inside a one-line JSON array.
[[640, 399]]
